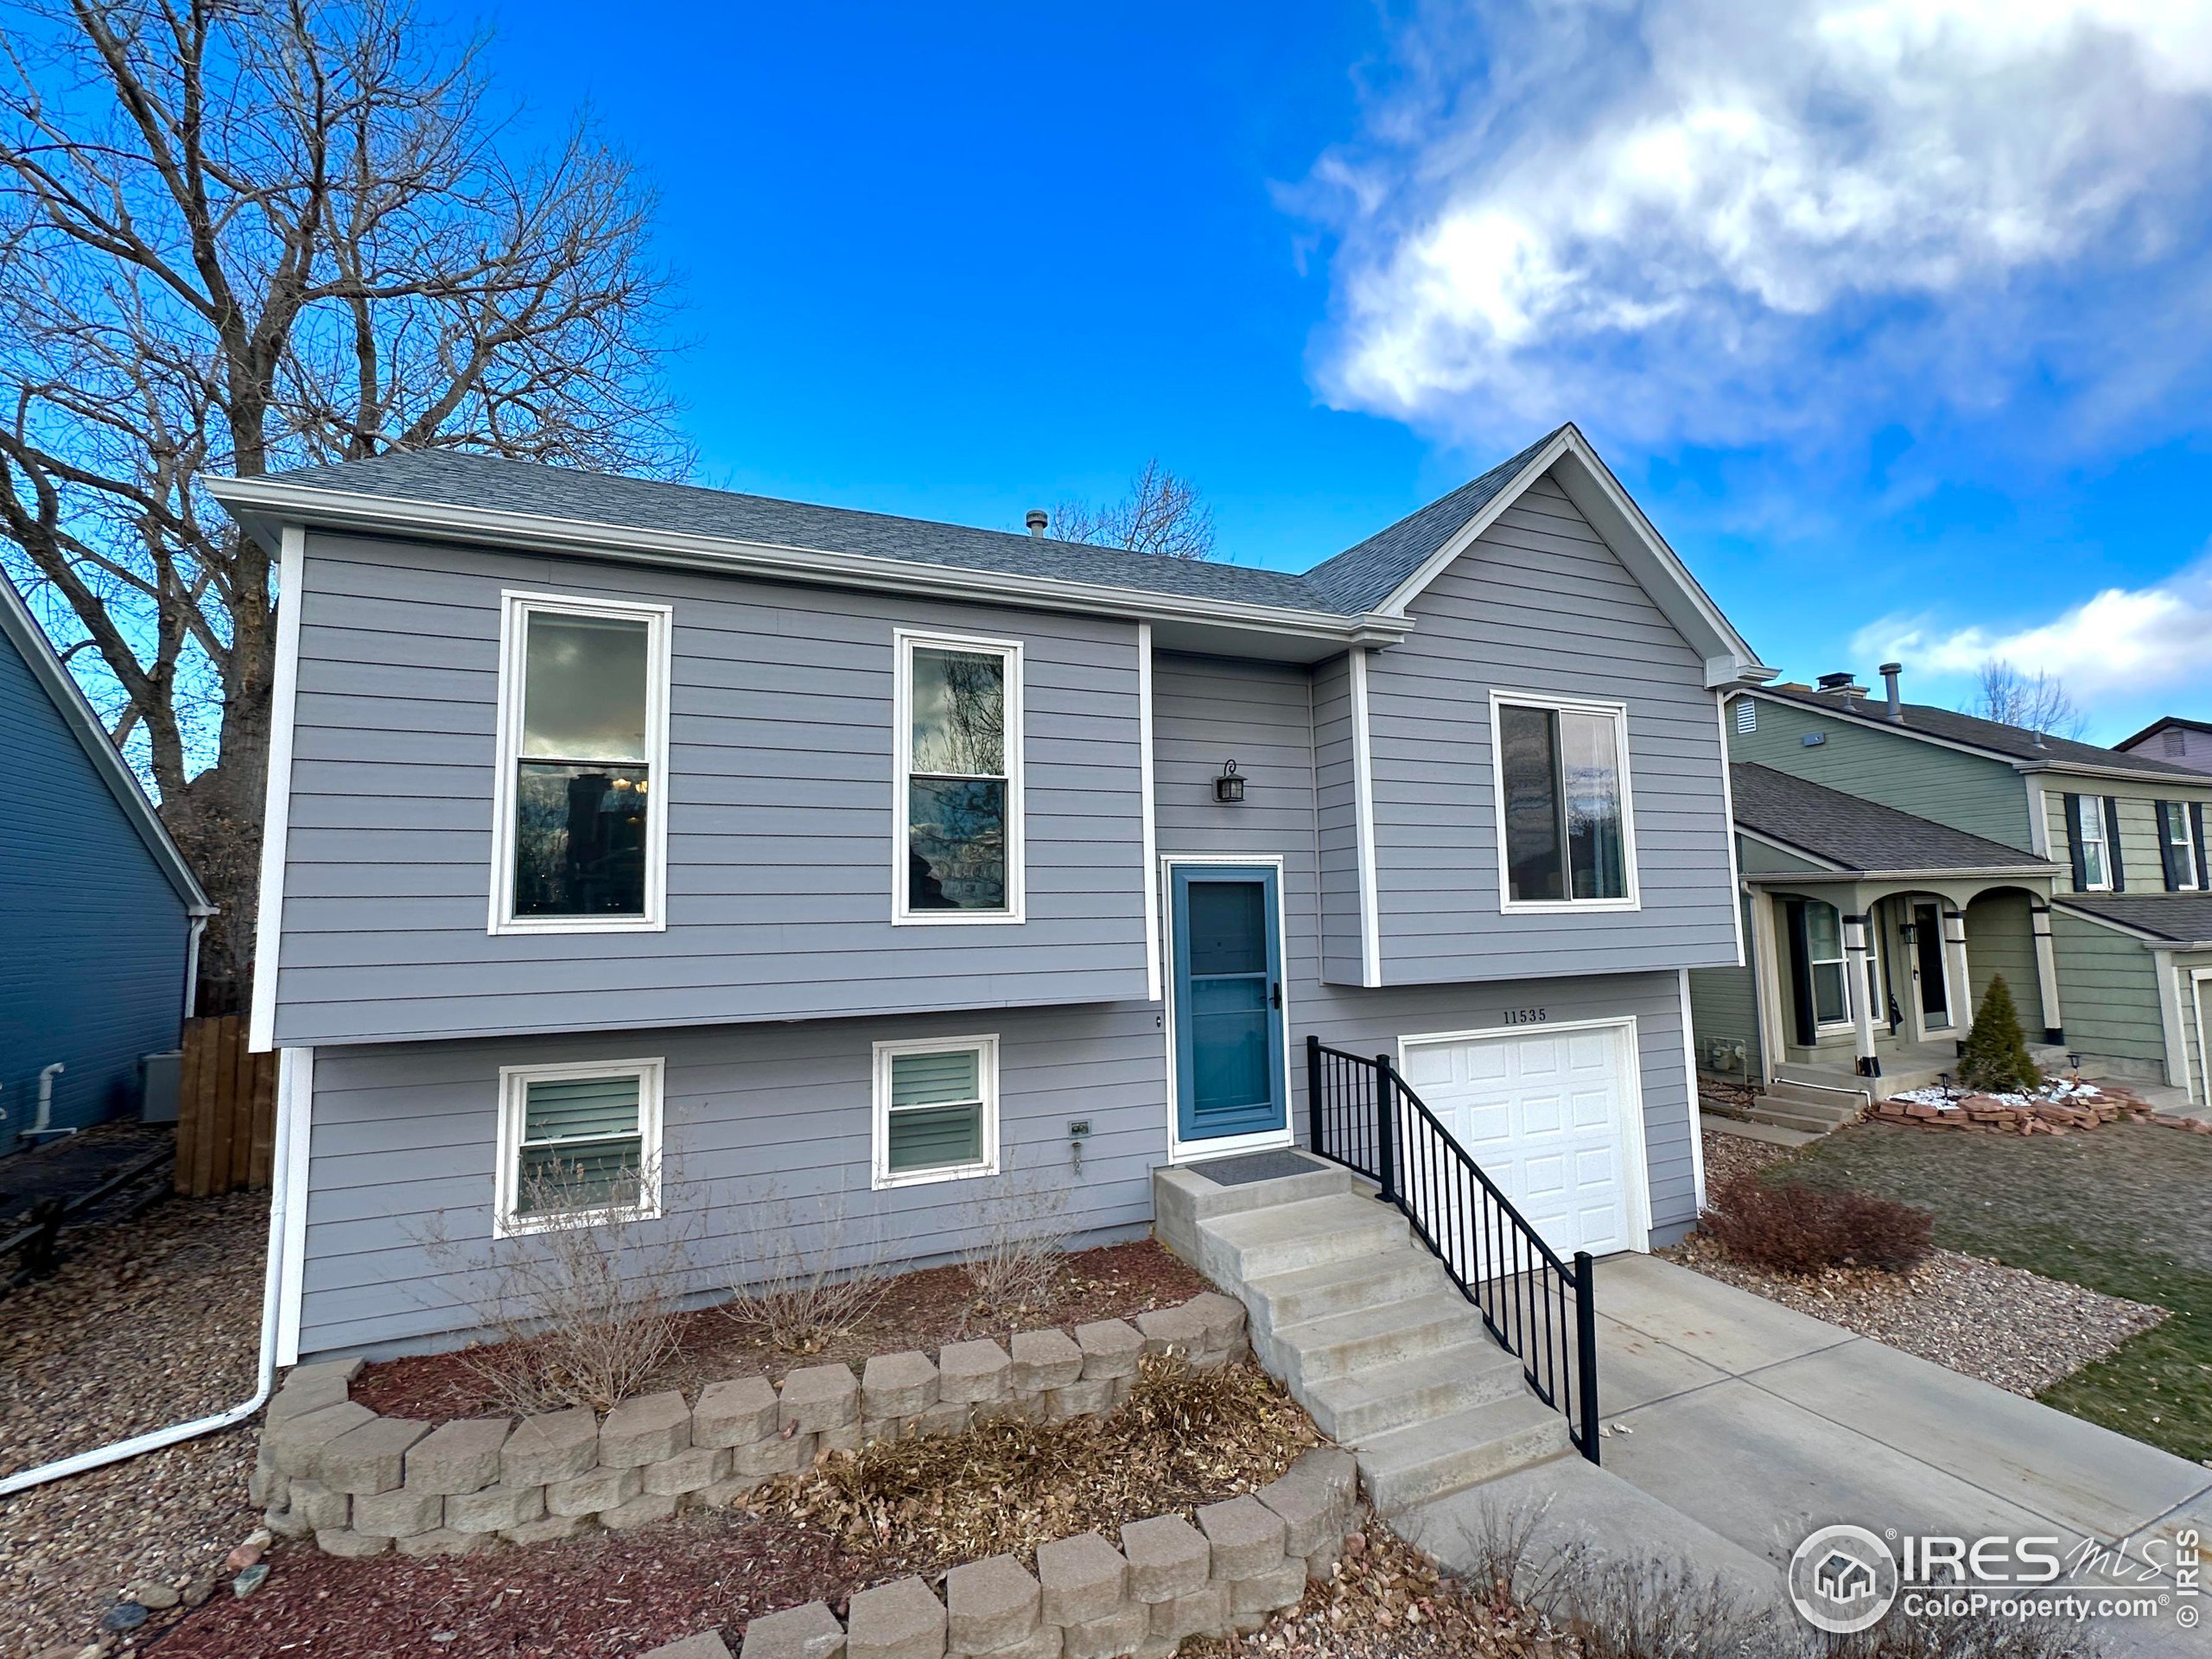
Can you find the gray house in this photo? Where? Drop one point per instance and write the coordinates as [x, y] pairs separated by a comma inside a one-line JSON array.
[[100, 917], [2177, 741], [754, 864]]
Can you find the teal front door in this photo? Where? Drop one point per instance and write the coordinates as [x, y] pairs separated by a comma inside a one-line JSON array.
[[1228, 991]]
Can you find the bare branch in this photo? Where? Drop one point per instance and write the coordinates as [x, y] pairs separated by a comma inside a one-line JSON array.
[[1162, 514]]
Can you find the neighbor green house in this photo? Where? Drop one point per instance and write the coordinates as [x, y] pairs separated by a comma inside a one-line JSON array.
[[1894, 858]]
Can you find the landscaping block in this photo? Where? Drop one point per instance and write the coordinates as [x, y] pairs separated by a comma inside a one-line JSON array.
[[735, 1413], [1321, 1565], [1280, 1586], [265, 1488], [1222, 1317], [808, 1632], [975, 1372], [1122, 1631], [458, 1457], [318, 1506], [899, 1620], [440, 1540], [286, 1523], [649, 1429], [1020, 1409], [1173, 1331], [1308, 1510], [639, 1511], [816, 1397], [1044, 1359], [593, 1490], [496, 1509], [1246, 1536], [296, 1399], [1202, 1611], [706, 1644], [847, 1439], [1110, 1348], [400, 1512], [368, 1459], [774, 1456], [1168, 1557], [1081, 1579], [1335, 1469], [291, 1445], [549, 1529], [690, 1470], [343, 1540], [898, 1385], [946, 1417], [990, 1605], [1093, 1397], [556, 1445], [723, 1493]]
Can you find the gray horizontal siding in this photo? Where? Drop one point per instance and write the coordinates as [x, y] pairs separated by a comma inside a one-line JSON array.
[[779, 800], [1540, 604], [2107, 991]]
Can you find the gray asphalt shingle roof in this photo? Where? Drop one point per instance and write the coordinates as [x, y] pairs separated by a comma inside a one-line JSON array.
[[2185, 917], [2000, 738], [1350, 584], [1855, 834]]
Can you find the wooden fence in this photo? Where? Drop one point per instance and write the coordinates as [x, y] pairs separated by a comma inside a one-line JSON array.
[[226, 1110]]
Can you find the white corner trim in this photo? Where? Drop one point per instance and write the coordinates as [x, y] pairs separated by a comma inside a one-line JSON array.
[[1147, 796], [2039, 817], [295, 1126], [902, 643], [1362, 790], [514, 1081], [1507, 905], [516, 607], [987, 1085], [2198, 978], [276, 801], [1721, 700], [2161, 962], [1689, 1080]]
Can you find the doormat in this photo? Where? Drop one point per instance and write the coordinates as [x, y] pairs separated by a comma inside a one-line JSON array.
[[1251, 1166]]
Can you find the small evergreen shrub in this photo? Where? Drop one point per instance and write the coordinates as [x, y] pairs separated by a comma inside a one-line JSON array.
[[1996, 1060], [1795, 1229]]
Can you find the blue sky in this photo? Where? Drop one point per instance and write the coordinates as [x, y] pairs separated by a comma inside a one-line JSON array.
[[1893, 316]]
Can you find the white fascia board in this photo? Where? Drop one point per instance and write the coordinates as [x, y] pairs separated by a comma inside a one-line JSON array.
[[84, 724], [260, 503], [1598, 495], [2115, 774], [1783, 878]]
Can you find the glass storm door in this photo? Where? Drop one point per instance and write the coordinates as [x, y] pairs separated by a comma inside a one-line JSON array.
[[1928, 959], [1228, 990]]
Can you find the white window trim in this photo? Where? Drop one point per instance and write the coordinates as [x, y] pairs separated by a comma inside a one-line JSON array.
[[987, 1083], [1499, 698], [514, 1081], [2187, 844], [516, 607], [1842, 960], [2093, 832], [904, 643]]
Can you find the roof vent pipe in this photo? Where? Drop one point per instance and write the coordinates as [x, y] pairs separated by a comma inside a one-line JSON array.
[[1890, 673], [1037, 518]]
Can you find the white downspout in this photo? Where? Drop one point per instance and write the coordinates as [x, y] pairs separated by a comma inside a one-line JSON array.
[[43, 1123], [282, 1197], [192, 961]]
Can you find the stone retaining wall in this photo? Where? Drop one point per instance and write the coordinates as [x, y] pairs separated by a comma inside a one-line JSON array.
[[362, 1484], [1169, 1582]]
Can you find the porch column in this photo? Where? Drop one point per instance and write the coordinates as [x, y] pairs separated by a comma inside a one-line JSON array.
[[2053, 1024], [1766, 981], [1960, 987], [1860, 986]]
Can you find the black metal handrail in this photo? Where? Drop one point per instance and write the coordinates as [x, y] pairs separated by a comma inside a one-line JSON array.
[[1361, 1115]]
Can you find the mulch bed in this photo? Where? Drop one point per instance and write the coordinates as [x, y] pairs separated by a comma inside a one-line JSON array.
[[922, 1309]]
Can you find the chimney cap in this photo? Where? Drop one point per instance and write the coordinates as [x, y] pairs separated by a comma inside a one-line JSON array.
[[1037, 518], [1890, 668], [1835, 682]]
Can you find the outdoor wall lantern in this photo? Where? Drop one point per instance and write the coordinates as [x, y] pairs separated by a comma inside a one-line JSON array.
[[1909, 931], [1229, 787]]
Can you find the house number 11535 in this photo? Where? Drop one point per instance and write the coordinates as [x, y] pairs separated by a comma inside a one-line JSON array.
[[1527, 1016]]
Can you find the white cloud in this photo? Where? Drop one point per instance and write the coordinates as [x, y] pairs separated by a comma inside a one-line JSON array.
[[1720, 220], [2122, 643]]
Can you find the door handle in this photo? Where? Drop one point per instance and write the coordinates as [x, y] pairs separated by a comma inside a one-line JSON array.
[[1275, 995]]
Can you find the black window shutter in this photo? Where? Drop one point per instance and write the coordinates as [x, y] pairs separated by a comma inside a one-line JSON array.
[[2074, 842], [1800, 974], [2173, 861], [2111, 844], [2196, 835]]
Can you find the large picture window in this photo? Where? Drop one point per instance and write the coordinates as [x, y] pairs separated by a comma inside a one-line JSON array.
[[958, 853], [581, 830], [1563, 804], [936, 1109], [578, 1144]]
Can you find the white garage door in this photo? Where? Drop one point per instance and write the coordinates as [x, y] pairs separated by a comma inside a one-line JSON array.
[[1547, 1116]]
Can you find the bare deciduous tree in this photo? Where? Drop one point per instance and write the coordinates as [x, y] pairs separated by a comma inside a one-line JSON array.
[[1162, 514], [239, 236], [2035, 702]]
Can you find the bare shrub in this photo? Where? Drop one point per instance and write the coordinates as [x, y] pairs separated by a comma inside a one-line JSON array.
[[1014, 1265], [584, 1308], [1796, 1229], [804, 1282]]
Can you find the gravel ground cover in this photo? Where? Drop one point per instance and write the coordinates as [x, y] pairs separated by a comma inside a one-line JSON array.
[[921, 1310]]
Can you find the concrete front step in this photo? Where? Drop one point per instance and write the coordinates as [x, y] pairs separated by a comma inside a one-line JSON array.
[[1343, 1287], [1804, 1094], [1343, 1343], [1409, 1466], [1256, 1243], [1789, 1115], [1379, 1398]]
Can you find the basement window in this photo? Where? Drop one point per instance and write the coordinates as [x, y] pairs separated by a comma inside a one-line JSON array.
[[937, 1110]]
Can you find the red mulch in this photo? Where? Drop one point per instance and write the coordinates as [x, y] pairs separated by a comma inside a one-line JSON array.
[[921, 1310], [605, 1596]]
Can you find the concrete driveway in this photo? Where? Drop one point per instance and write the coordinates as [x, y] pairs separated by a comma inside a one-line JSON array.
[[1755, 1425]]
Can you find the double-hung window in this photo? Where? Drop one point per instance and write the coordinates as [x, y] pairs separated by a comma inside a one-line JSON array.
[[580, 834], [936, 1109], [2177, 847], [1567, 839], [578, 1143], [1824, 960], [957, 853], [2088, 826]]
